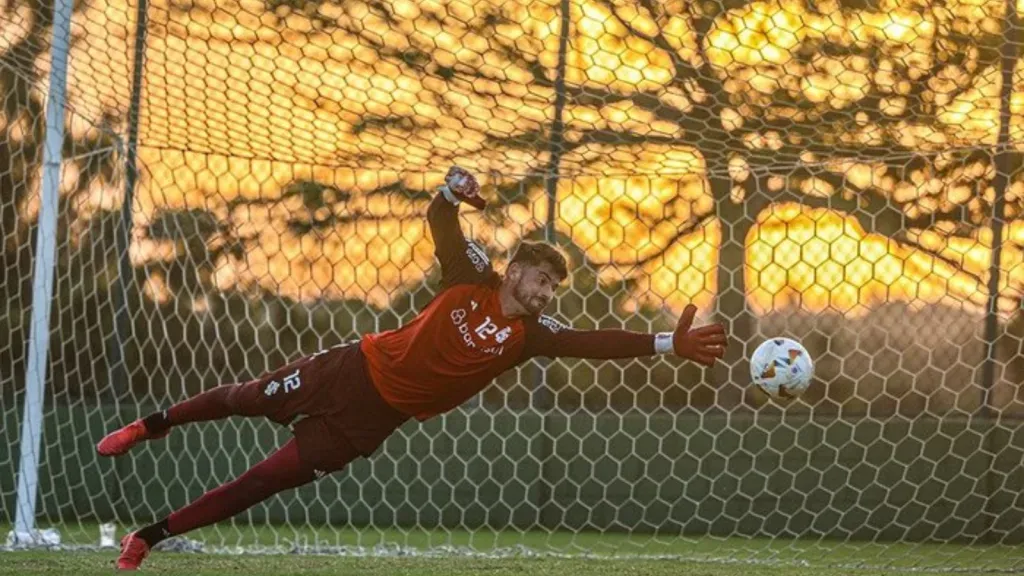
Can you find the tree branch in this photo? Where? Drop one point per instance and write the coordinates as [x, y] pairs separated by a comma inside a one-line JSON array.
[[683, 70], [690, 226], [878, 216]]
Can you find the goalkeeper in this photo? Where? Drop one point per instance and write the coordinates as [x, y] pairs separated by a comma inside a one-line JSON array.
[[342, 403]]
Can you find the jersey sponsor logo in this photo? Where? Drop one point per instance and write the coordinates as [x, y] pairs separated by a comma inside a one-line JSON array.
[[289, 383], [484, 331], [551, 324], [477, 256], [459, 319], [458, 315]]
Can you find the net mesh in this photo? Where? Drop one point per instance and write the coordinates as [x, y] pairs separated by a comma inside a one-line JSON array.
[[837, 172]]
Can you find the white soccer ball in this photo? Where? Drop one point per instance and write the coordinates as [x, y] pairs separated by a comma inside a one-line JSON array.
[[781, 367]]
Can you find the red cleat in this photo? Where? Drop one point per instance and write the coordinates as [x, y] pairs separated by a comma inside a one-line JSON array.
[[133, 551], [121, 441]]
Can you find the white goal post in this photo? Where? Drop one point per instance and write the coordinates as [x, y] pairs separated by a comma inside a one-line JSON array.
[[25, 531]]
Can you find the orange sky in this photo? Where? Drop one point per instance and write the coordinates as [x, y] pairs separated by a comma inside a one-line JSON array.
[[238, 103]]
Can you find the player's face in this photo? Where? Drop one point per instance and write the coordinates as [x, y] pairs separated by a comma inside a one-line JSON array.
[[535, 287]]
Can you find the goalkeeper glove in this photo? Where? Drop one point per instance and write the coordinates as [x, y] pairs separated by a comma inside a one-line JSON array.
[[702, 345], [461, 186]]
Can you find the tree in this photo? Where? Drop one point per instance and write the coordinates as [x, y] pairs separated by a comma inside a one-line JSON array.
[[869, 111], [877, 110], [91, 165]]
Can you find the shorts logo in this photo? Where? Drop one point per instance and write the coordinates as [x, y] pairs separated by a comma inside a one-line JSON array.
[[319, 473], [291, 382]]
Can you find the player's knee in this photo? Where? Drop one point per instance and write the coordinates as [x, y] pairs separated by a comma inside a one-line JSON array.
[[277, 474]]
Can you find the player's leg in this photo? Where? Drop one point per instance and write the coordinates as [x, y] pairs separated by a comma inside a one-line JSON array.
[[215, 404], [278, 395], [349, 420], [282, 470], [210, 405]]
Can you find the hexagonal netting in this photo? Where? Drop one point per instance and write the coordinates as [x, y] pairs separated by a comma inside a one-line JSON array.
[[845, 173]]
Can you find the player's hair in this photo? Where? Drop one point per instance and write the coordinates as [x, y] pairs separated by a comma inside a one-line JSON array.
[[536, 253]]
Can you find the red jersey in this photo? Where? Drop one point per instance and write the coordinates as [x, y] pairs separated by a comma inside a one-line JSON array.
[[461, 341]]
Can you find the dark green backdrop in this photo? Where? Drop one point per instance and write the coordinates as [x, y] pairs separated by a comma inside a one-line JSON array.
[[865, 479]]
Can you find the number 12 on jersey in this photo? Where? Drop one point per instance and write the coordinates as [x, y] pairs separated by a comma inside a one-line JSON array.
[[487, 328]]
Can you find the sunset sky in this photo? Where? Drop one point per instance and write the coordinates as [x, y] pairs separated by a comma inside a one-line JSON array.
[[239, 102]]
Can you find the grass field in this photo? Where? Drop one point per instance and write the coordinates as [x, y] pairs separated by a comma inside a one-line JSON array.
[[562, 554], [93, 563]]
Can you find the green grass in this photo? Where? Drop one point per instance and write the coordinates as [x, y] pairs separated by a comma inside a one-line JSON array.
[[91, 563], [691, 556]]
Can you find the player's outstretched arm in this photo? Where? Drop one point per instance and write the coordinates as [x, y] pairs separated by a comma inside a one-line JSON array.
[[703, 345], [462, 261]]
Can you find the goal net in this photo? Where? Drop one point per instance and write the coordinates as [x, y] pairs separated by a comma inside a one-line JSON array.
[[843, 173]]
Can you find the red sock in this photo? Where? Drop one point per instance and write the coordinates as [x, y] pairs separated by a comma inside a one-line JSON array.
[[280, 471]]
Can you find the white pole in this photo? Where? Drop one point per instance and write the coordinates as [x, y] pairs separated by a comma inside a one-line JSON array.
[[42, 281]]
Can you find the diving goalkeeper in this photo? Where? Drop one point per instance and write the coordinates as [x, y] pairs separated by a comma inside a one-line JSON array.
[[342, 403]]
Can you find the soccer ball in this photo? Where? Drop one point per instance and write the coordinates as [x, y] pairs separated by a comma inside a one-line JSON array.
[[782, 368]]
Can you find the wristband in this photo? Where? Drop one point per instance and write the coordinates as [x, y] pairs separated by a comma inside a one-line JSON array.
[[663, 343], [447, 193]]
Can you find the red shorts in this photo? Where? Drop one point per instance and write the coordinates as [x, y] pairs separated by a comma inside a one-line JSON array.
[[330, 402]]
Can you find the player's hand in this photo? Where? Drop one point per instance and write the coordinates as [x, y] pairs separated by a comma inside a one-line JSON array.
[[461, 186], [703, 345]]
